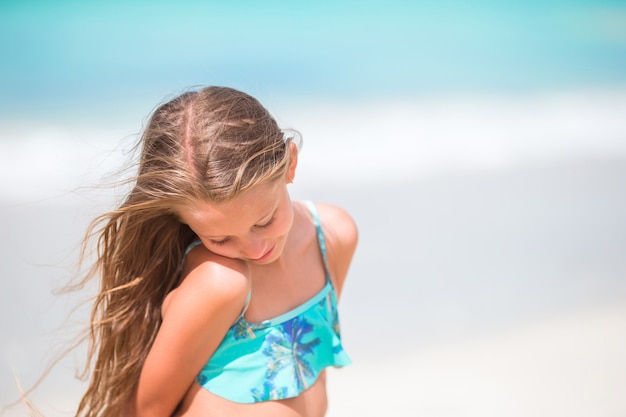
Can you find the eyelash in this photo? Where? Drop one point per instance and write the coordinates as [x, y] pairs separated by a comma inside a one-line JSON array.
[[219, 242], [262, 226], [268, 224]]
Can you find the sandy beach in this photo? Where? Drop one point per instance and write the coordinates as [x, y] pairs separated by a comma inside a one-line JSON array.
[[571, 365], [480, 293], [515, 304]]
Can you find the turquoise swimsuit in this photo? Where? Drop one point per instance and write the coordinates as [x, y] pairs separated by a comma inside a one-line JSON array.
[[281, 357]]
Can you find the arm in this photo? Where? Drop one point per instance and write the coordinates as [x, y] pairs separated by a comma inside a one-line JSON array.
[[196, 317], [341, 235]]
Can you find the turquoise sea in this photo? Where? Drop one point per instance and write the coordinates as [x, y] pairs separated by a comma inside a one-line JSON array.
[[480, 146], [65, 55], [77, 77]]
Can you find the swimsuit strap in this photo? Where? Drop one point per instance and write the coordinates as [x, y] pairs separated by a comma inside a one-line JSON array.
[[190, 247], [187, 250], [320, 235]]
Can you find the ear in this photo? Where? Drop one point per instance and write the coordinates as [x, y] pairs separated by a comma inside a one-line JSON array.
[[293, 162]]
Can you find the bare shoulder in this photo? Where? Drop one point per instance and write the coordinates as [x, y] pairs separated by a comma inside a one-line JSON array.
[[341, 233], [196, 316], [209, 280], [338, 224]]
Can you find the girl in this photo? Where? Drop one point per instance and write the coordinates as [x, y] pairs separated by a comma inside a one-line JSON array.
[[218, 293]]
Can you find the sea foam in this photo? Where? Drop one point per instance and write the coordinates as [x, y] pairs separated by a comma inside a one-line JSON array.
[[351, 142]]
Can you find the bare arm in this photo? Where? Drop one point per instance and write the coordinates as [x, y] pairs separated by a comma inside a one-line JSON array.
[[195, 319]]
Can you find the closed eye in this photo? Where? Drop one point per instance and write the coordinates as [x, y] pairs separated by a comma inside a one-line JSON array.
[[219, 242], [259, 226], [266, 225]]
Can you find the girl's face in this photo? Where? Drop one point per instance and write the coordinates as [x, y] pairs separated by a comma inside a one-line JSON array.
[[252, 227]]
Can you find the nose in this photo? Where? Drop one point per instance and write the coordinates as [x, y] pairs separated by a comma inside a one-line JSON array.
[[254, 248]]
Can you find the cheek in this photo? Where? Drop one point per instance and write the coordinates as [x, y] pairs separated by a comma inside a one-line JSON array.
[[283, 227]]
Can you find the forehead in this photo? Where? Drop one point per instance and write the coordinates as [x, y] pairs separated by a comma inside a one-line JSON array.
[[234, 216]]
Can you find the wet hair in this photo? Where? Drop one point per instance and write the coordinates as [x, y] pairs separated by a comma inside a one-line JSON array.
[[212, 145]]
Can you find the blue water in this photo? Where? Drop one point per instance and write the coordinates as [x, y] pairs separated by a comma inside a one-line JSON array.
[[65, 56]]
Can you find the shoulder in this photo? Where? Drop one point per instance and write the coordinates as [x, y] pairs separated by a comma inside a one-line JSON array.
[[338, 224], [341, 235], [209, 280], [195, 318]]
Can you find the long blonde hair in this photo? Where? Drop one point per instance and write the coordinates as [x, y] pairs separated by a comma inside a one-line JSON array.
[[212, 144]]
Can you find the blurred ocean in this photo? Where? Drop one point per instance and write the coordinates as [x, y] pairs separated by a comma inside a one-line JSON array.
[[481, 147]]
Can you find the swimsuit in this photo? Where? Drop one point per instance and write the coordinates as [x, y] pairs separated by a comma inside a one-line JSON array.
[[281, 357]]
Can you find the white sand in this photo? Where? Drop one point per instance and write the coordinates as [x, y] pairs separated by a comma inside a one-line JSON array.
[[574, 365], [479, 216]]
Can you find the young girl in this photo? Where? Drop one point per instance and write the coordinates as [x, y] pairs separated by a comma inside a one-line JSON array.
[[218, 294]]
